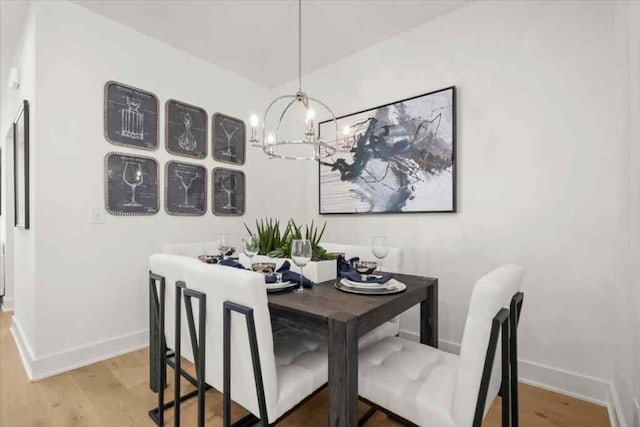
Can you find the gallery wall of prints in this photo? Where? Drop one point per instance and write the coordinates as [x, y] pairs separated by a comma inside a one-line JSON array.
[[135, 184]]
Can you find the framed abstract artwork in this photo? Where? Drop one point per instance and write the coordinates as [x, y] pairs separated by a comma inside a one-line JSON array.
[[228, 136], [130, 116], [131, 184], [395, 158], [185, 189], [21, 167], [228, 187], [186, 130]]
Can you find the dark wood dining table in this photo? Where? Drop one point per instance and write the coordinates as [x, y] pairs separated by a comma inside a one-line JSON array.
[[341, 318]]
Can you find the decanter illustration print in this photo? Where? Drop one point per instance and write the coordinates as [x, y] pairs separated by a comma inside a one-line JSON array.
[[186, 140], [186, 176], [229, 129], [132, 120], [228, 185], [132, 176]]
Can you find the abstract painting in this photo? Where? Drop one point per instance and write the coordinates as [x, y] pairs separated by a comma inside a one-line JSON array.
[[396, 158]]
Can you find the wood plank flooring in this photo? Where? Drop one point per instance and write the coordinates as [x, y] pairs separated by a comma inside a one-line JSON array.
[[115, 392]]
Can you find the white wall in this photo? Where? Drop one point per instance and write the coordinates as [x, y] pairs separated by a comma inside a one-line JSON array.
[[541, 175], [21, 258], [91, 279]]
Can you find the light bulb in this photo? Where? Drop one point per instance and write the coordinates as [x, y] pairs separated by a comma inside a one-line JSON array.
[[346, 130], [270, 138], [254, 120], [310, 114]]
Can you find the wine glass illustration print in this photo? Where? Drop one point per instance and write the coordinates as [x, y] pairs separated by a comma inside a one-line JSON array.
[[131, 184], [185, 189], [186, 130], [131, 116], [228, 192], [395, 158], [229, 136]]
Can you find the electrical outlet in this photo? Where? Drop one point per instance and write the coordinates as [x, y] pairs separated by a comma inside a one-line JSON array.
[[97, 216]]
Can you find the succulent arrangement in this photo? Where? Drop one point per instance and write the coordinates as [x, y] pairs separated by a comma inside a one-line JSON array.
[[277, 244]]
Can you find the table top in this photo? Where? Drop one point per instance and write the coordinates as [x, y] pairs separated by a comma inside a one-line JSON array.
[[324, 302]]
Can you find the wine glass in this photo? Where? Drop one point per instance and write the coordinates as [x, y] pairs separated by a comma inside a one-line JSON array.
[[229, 129], [229, 189], [186, 176], [301, 255], [250, 246], [132, 176], [380, 249], [223, 244]]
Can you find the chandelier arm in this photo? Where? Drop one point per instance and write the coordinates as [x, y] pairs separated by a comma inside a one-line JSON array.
[[333, 116], [299, 45], [282, 117], [266, 114]]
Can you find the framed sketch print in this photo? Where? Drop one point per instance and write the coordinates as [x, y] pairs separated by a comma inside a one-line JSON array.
[[21, 167], [185, 189], [395, 158], [228, 192], [228, 139], [131, 184], [130, 116], [186, 130]]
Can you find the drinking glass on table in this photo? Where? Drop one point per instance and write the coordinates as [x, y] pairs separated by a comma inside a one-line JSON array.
[[380, 249], [301, 255], [223, 244], [250, 246]]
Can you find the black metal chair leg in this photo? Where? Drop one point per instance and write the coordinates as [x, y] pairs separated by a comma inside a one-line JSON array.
[[161, 347], [198, 344], [514, 320], [177, 350], [505, 360]]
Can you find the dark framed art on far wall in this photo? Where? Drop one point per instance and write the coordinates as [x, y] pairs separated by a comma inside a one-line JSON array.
[[395, 158], [21, 167]]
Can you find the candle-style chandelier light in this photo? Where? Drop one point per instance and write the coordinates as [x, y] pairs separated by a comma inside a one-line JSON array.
[[297, 114]]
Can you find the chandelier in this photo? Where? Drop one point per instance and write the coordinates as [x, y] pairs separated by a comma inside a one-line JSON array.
[[296, 117]]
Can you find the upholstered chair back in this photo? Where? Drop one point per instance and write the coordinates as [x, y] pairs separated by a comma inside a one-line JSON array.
[[243, 287], [192, 250], [391, 263], [490, 294], [173, 268]]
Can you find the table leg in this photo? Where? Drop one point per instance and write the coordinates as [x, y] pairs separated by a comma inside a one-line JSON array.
[[429, 317], [343, 370]]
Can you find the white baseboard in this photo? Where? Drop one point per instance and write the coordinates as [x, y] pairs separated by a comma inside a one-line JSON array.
[[549, 378], [24, 350], [7, 305], [41, 367]]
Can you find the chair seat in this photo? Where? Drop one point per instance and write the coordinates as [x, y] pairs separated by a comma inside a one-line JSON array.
[[301, 365], [410, 379], [387, 329]]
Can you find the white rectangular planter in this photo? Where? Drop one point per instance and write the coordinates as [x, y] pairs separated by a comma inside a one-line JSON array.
[[316, 271]]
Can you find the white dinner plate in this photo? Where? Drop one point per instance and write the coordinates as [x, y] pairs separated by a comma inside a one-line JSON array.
[[380, 290], [391, 283], [280, 286]]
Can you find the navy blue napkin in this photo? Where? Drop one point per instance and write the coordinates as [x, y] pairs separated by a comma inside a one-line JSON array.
[[288, 276], [343, 264], [354, 276], [231, 263]]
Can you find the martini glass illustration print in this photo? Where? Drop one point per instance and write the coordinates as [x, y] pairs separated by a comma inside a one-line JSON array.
[[228, 184], [229, 129], [186, 176], [132, 176]]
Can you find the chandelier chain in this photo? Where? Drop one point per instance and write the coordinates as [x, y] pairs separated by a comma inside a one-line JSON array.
[[299, 45]]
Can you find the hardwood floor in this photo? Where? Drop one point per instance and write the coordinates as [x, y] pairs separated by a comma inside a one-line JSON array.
[[115, 393]]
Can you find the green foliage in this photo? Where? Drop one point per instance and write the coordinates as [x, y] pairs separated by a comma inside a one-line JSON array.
[[278, 245]]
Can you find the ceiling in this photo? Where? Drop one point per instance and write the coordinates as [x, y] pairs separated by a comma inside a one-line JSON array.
[[12, 19], [257, 39]]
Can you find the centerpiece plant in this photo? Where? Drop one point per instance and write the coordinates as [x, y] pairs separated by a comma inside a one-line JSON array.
[[277, 244]]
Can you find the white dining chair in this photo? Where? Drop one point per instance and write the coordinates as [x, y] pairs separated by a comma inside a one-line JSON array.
[[392, 263], [236, 352], [424, 386], [192, 249], [166, 279]]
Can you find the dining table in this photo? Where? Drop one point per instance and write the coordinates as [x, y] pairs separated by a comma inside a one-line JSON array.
[[340, 319]]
